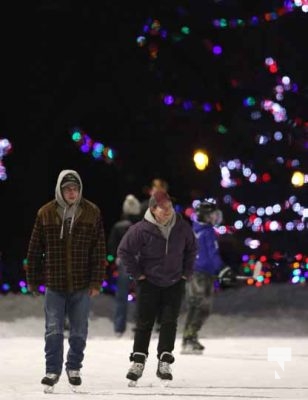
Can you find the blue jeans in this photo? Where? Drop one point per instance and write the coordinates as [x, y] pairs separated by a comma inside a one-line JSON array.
[[76, 306], [120, 315]]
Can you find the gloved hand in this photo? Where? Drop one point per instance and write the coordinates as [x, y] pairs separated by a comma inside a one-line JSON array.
[[226, 277]]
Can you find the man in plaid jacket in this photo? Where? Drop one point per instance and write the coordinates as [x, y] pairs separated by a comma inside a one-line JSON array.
[[67, 251]]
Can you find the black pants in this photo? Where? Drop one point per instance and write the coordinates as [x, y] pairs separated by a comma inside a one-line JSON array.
[[153, 301]]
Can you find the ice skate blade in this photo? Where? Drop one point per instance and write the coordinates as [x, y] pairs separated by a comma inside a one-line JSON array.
[[75, 388], [48, 389], [132, 383]]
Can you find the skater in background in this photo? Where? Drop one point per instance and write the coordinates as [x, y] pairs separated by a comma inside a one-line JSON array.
[[131, 214], [157, 184], [67, 247], [207, 265], [158, 252]]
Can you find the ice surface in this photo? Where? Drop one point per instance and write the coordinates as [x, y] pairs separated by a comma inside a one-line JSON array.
[[244, 324], [230, 368]]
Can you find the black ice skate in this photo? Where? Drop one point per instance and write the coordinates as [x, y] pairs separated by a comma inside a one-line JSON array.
[[136, 370], [49, 382], [192, 346], [74, 378], [163, 369]]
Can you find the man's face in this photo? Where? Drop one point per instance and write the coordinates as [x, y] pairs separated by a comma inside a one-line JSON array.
[[163, 212], [70, 193]]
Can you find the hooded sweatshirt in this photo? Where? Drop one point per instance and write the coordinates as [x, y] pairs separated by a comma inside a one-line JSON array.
[[67, 212], [164, 229]]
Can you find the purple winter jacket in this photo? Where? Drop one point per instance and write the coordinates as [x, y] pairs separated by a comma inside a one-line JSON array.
[[144, 251]]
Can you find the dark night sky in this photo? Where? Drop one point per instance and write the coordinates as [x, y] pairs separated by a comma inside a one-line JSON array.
[[67, 64]]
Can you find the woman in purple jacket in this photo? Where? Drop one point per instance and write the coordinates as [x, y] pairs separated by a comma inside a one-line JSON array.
[[159, 253], [208, 263]]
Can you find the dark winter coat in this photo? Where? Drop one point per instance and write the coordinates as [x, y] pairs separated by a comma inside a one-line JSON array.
[[208, 258], [144, 251], [118, 231]]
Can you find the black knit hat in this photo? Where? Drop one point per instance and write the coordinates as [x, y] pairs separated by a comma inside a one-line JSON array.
[[70, 179]]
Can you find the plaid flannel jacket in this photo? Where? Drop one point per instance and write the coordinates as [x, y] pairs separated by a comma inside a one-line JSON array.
[[73, 263]]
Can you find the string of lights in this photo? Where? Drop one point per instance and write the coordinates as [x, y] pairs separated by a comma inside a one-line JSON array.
[[88, 146]]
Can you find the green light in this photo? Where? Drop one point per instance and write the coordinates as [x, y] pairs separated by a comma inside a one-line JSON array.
[[177, 38], [25, 262], [110, 154], [222, 129], [110, 258], [76, 136], [223, 23], [24, 290], [260, 278], [96, 154], [185, 30], [302, 280], [240, 22], [251, 101], [247, 270]]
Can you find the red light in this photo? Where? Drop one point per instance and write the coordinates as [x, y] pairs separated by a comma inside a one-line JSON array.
[[188, 212], [277, 255], [298, 257], [273, 68], [266, 177], [263, 259]]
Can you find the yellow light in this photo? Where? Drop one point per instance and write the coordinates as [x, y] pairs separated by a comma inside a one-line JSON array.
[[296, 265], [201, 160], [298, 179]]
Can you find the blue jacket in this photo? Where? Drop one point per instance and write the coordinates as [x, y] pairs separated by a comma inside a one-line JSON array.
[[208, 258], [144, 251]]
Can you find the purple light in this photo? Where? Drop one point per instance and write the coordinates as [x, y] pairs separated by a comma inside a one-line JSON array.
[[245, 258], [217, 50], [6, 287], [41, 289], [163, 33], [146, 28], [216, 23], [207, 107], [104, 284], [168, 100], [187, 105], [254, 20], [22, 284], [85, 148]]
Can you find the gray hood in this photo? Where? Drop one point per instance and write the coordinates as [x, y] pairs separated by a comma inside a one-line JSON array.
[[165, 229], [64, 209]]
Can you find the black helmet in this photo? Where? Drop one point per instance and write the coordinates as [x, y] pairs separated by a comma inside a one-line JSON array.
[[204, 208]]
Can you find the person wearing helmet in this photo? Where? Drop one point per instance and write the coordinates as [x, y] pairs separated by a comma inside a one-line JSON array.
[[207, 265]]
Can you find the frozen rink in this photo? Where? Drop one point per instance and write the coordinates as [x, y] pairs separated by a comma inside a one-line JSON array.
[[244, 324], [231, 368]]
